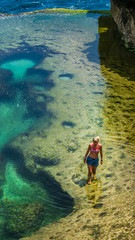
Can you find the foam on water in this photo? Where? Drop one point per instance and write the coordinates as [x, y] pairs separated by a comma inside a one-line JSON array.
[[15, 6]]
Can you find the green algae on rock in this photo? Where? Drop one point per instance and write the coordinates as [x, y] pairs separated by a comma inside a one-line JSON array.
[[22, 218]]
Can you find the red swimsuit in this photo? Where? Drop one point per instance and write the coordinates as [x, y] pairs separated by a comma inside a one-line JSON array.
[[95, 150]]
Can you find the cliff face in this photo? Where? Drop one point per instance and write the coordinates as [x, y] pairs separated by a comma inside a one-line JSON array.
[[123, 13]]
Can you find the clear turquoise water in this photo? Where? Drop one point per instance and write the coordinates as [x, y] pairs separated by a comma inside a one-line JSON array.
[[58, 87], [18, 68]]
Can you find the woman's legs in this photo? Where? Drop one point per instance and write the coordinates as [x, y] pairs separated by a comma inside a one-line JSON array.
[[89, 173], [94, 171]]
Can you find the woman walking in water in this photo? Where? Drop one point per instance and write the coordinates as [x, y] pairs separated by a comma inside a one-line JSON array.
[[91, 157]]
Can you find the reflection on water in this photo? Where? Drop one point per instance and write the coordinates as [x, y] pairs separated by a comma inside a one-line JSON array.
[[94, 193], [71, 94]]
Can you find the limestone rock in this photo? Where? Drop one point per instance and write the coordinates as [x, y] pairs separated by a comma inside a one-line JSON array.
[[124, 15]]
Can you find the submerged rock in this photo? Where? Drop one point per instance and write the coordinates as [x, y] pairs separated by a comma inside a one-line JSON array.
[[6, 92], [36, 102], [5, 75], [23, 219], [66, 76], [68, 124]]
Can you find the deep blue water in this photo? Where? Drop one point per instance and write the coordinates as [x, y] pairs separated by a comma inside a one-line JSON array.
[[18, 6]]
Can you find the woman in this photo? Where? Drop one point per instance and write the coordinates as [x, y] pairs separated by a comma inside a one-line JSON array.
[[91, 157]]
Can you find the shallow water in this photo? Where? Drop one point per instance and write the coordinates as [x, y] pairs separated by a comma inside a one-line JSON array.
[[18, 68], [69, 95]]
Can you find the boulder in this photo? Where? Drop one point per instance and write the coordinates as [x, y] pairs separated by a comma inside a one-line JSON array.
[[123, 13]]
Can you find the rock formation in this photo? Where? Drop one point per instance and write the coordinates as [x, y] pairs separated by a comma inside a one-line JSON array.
[[124, 15]]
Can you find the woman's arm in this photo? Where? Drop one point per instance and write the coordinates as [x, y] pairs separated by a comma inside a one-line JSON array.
[[86, 154], [101, 154]]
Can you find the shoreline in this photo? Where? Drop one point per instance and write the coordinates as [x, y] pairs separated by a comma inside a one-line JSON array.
[[60, 10]]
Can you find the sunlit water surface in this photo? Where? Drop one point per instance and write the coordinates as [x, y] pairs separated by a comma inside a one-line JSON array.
[[57, 93], [15, 6]]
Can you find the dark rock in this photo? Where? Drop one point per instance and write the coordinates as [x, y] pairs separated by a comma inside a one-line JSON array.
[[98, 205], [5, 75], [68, 124], [6, 92], [124, 15], [108, 175], [95, 231], [66, 76], [36, 102], [46, 161], [103, 214]]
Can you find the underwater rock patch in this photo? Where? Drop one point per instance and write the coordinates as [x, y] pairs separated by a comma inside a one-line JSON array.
[[21, 76], [35, 75], [102, 214], [66, 76], [36, 101], [78, 180], [98, 205], [35, 53], [6, 92], [46, 161], [62, 202], [68, 124], [5, 75], [72, 146], [23, 219]]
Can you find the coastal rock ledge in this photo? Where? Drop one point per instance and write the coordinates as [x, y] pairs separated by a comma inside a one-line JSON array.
[[123, 13]]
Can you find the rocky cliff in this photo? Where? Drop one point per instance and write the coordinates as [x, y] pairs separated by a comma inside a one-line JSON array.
[[124, 15]]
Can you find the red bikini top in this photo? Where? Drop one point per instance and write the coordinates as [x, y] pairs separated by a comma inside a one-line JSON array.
[[95, 150]]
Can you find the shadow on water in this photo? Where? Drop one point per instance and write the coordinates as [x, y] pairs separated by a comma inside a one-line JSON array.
[[112, 51], [35, 53], [94, 193], [92, 54], [50, 207], [117, 66]]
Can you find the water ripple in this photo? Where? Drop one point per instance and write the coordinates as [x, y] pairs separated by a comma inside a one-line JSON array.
[[14, 6]]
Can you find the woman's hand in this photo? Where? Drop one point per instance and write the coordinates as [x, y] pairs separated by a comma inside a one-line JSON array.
[[85, 160]]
